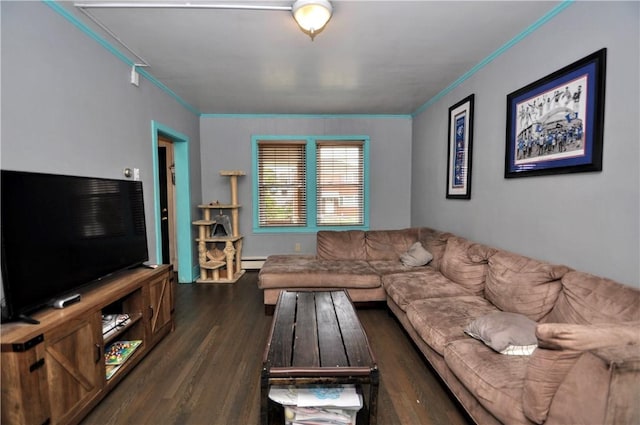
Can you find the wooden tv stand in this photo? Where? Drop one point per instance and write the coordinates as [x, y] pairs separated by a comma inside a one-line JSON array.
[[55, 373]]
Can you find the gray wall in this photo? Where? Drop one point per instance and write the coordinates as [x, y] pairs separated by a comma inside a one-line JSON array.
[[68, 106], [588, 221], [226, 145]]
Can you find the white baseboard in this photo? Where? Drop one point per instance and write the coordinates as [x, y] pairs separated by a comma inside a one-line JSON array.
[[253, 263]]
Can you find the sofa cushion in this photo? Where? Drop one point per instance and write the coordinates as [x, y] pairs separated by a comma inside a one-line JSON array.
[[416, 256], [586, 298], [465, 263], [435, 242], [523, 285], [439, 321], [340, 245], [497, 381], [389, 244], [306, 271], [502, 330], [404, 288]]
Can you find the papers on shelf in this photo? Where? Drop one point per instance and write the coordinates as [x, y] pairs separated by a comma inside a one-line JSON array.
[[319, 416], [336, 396], [112, 323], [335, 404]]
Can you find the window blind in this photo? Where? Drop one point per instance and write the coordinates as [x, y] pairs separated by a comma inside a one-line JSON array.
[[282, 183], [340, 183]]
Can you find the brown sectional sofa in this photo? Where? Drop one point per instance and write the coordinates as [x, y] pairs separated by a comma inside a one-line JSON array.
[[344, 260], [585, 369]]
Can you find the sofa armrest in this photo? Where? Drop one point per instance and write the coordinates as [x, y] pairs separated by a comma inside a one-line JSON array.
[[609, 336], [569, 358]]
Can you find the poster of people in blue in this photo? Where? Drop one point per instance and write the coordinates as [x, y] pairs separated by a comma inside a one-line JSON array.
[[555, 125], [551, 124]]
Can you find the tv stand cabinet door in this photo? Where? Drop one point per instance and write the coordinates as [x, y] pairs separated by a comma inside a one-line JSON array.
[[75, 367], [160, 297], [24, 387]]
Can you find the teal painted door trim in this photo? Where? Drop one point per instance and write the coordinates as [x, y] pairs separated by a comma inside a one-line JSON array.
[[183, 199]]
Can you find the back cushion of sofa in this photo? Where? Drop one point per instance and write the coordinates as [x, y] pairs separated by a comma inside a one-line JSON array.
[[523, 285], [435, 242], [465, 263], [586, 298], [340, 245], [389, 244]]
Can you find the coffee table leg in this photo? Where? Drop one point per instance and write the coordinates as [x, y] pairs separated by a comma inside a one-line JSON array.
[[373, 397], [264, 397]]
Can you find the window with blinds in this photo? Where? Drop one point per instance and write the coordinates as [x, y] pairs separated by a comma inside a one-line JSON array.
[[310, 183], [282, 191], [339, 183]]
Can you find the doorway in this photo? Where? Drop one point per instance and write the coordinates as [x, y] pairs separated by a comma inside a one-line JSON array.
[[182, 235], [167, 182]]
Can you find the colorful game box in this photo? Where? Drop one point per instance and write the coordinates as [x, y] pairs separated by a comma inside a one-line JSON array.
[[118, 352]]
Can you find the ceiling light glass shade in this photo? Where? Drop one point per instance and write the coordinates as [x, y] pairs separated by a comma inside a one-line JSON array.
[[312, 15]]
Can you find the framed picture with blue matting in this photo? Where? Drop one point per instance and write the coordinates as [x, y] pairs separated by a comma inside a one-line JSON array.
[[555, 125], [460, 150]]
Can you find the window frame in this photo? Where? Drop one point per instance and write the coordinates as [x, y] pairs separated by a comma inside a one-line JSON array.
[[311, 142]]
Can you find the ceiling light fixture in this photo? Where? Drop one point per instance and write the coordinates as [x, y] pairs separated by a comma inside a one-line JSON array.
[[312, 15]]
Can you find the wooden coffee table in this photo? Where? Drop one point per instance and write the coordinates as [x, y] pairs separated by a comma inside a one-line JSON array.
[[316, 338]]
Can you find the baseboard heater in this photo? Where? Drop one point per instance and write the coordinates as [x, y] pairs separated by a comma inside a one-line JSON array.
[[253, 263]]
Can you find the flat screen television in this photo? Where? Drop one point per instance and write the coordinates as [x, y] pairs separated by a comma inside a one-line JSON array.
[[60, 233]]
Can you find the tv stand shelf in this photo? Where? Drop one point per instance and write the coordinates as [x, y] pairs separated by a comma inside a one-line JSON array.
[[54, 372], [119, 330]]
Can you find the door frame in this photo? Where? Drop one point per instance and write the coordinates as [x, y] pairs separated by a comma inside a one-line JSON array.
[[165, 148], [183, 199]]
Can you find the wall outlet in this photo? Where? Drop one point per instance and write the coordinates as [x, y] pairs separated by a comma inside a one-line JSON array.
[[297, 247]]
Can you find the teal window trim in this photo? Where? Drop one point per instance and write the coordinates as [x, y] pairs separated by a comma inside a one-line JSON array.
[[310, 140], [312, 189]]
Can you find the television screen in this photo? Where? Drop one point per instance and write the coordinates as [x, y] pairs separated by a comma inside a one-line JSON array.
[[63, 232]]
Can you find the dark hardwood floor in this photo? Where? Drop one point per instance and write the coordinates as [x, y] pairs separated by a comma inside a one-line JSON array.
[[208, 370]]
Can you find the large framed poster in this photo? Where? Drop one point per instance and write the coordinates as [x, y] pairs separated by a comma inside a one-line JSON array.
[[555, 124]]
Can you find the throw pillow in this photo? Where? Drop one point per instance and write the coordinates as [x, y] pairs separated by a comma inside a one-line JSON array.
[[519, 350], [506, 333], [416, 256]]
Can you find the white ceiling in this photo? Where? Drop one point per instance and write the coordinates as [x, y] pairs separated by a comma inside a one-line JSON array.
[[373, 57]]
